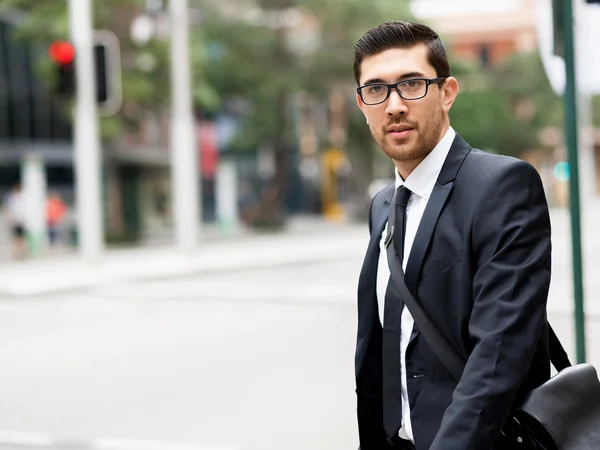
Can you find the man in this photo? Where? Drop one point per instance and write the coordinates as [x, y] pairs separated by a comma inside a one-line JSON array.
[[15, 207], [55, 215], [475, 253]]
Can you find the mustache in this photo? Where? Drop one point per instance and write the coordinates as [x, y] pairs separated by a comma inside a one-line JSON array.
[[401, 122]]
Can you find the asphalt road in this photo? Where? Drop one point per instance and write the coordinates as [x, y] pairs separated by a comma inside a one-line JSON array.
[[258, 360], [250, 360]]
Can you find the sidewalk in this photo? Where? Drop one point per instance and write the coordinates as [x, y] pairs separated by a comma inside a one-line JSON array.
[[305, 240], [561, 286]]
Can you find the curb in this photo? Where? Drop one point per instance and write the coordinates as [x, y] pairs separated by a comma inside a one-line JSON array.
[[274, 262]]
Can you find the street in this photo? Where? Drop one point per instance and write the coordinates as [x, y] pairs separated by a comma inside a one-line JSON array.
[[253, 360], [246, 359], [184, 198]]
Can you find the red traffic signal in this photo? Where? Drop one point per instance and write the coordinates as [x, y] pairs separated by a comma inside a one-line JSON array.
[[62, 52], [107, 64]]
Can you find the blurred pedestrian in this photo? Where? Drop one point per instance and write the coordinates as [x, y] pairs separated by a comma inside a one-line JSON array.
[[55, 214], [248, 202], [471, 237], [15, 209]]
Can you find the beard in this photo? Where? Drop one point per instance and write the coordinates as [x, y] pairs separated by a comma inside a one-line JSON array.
[[416, 146]]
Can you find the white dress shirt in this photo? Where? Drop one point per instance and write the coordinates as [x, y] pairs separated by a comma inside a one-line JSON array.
[[420, 182]]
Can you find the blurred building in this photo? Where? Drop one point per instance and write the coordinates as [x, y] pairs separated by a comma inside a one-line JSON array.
[[486, 33], [31, 121], [483, 32]]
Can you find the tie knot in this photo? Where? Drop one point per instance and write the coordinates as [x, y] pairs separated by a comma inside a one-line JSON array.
[[402, 196]]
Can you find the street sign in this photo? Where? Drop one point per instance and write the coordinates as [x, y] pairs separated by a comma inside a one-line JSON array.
[[561, 171], [551, 44]]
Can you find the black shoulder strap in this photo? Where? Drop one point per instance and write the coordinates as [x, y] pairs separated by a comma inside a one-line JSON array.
[[441, 346], [444, 350], [558, 356]]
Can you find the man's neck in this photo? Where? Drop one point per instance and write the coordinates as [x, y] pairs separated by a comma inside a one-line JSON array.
[[405, 168]]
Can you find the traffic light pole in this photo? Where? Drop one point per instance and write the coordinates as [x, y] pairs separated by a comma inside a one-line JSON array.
[[570, 98], [86, 142], [184, 163]]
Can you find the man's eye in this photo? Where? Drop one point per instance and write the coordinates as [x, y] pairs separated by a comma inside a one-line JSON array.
[[375, 89]]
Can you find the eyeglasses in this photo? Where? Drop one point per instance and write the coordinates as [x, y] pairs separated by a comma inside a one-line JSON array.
[[413, 89]]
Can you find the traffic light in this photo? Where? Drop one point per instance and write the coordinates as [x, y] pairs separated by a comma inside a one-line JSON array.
[[62, 55], [109, 91], [107, 71], [102, 80]]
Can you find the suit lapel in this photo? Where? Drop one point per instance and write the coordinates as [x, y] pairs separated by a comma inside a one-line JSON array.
[[425, 231], [381, 211], [368, 274], [441, 191], [368, 314], [380, 221]]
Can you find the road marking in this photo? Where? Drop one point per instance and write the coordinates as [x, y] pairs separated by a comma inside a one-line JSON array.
[[25, 439], [46, 441], [125, 444]]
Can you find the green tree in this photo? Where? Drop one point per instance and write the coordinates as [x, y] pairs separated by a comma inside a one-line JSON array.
[[596, 110], [233, 61], [504, 108], [258, 64]]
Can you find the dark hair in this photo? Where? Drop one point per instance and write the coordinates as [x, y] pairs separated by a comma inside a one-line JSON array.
[[401, 34]]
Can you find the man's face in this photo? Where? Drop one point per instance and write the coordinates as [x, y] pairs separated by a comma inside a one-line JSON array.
[[406, 130]]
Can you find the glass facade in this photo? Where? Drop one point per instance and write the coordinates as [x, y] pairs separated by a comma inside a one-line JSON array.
[[27, 111], [31, 119]]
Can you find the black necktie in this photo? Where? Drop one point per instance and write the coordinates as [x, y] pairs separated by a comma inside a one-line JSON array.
[[392, 315]]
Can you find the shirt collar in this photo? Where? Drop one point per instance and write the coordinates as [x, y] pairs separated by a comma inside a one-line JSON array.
[[422, 180]]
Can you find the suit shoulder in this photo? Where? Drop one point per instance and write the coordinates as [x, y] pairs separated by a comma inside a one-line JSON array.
[[486, 166]]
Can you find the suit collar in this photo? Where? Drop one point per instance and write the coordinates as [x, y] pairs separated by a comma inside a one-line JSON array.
[[456, 156]]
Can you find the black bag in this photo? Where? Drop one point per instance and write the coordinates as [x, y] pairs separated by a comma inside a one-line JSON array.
[[561, 414]]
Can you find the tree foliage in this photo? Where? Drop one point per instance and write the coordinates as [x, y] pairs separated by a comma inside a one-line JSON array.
[[267, 67], [256, 71], [255, 62], [596, 110], [504, 108]]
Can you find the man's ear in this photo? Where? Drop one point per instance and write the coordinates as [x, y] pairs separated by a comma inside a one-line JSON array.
[[449, 92]]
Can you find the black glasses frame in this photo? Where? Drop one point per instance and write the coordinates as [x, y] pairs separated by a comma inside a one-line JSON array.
[[428, 82]]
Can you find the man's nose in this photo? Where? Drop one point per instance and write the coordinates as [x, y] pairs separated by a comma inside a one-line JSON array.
[[396, 105]]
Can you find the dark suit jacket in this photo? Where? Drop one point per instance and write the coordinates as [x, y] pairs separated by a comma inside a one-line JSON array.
[[480, 266]]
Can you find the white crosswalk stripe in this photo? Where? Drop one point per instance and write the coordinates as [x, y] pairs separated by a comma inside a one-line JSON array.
[[25, 440]]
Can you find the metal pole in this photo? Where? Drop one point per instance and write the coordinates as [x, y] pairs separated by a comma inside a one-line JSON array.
[[86, 142], [572, 147], [184, 161]]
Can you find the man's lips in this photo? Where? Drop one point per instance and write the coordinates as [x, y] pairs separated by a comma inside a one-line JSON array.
[[400, 131]]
